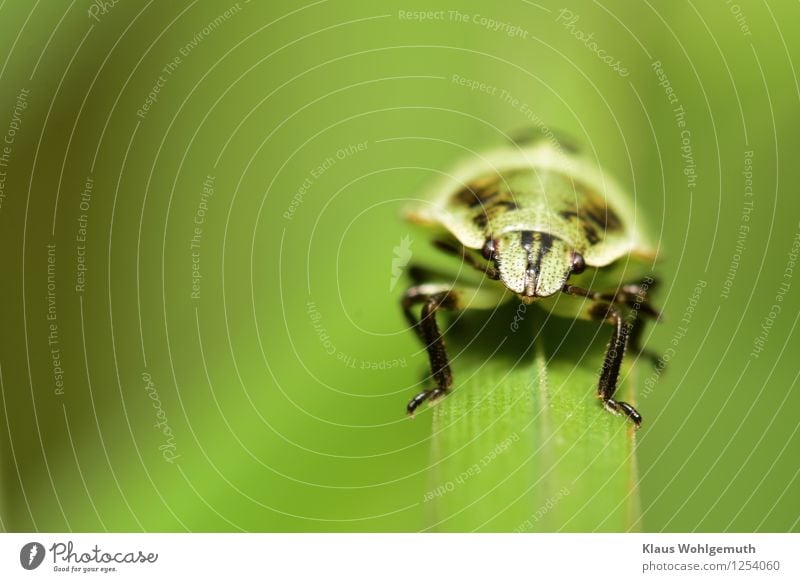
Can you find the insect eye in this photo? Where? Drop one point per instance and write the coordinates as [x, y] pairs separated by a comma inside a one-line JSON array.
[[488, 250], [578, 264]]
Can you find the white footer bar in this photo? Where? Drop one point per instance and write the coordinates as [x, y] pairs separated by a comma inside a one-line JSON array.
[[400, 557]]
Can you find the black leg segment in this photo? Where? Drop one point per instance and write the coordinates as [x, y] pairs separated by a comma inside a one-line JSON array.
[[461, 252], [609, 377], [428, 331], [620, 337], [634, 297]]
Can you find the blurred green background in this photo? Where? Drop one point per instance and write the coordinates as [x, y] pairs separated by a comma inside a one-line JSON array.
[[207, 338]]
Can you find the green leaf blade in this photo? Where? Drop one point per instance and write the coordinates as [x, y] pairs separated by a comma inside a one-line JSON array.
[[523, 444]]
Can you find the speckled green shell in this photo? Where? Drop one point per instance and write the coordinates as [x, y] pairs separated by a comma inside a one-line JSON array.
[[539, 203]]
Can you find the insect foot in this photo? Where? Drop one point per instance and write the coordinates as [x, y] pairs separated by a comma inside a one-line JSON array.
[[432, 396], [618, 408]]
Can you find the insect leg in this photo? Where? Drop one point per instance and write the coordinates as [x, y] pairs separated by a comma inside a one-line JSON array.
[[609, 377], [638, 292], [470, 259], [635, 344], [634, 296], [432, 297]]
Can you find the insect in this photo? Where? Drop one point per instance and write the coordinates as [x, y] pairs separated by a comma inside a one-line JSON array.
[[541, 222]]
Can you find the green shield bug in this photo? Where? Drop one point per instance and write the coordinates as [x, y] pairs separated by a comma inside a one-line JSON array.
[[541, 221]]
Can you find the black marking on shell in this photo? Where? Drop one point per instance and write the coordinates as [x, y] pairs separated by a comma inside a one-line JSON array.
[[593, 215], [476, 195], [589, 230]]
